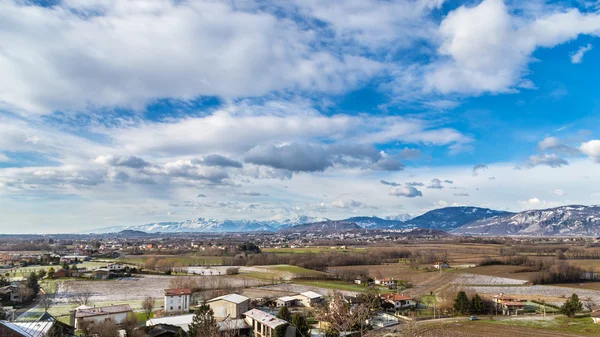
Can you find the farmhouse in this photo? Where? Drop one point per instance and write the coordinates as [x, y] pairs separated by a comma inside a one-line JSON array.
[[229, 306], [441, 265], [12, 292], [309, 298], [177, 300], [399, 301], [512, 308], [387, 282], [286, 301], [86, 314], [264, 324]]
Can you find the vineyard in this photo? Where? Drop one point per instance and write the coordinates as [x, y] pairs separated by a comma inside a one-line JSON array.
[[474, 279]]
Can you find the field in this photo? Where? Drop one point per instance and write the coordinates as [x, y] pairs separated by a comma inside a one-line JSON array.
[[559, 327], [19, 272], [475, 279]]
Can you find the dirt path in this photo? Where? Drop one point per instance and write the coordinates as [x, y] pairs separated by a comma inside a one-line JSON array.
[[434, 284]]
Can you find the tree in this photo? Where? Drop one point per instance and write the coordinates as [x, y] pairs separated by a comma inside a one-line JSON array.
[[106, 328], [41, 273], [148, 306], [130, 323], [284, 314], [2, 314], [47, 300], [477, 305], [281, 330], [32, 283], [203, 323], [461, 303], [571, 306], [301, 324], [51, 272], [82, 295]]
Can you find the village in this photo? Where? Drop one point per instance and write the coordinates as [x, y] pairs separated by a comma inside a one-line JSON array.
[[168, 287]]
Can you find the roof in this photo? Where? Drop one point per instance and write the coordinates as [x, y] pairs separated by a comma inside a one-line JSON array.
[[112, 309], [264, 318], [514, 304], [233, 324], [234, 298], [162, 329], [182, 321], [178, 291], [311, 294], [596, 314], [37, 328], [397, 297], [286, 299]]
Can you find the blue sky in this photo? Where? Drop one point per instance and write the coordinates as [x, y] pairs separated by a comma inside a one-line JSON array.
[[123, 113]]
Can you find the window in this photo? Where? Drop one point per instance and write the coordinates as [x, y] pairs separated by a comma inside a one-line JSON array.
[[179, 307], [171, 308]]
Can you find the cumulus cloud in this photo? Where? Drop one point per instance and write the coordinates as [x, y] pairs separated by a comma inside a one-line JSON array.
[[551, 160], [124, 161], [414, 183], [449, 181], [408, 153], [478, 168], [559, 192], [556, 145], [3, 157], [405, 191], [435, 184], [347, 204], [577, 57], [473, 62], [591, 149], [251, 194]]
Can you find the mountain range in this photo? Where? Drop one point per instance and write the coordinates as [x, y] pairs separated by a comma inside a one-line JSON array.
[[570, 220]]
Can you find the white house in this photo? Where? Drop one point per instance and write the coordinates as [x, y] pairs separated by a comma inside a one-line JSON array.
[[399, 301], [264, 324], [309, 298], [85, 314], [115, 267], [441, 265], [177, 300], [387, 282]]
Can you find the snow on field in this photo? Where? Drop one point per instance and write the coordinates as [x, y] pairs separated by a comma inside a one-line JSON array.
[[475, 279], [539, 290], [137, 288]]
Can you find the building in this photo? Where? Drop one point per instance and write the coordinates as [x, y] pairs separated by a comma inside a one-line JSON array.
[[46, 324], [177, 300], [164, 330], [399, 301], [596, 314], [87, 314], [12, 292], [172, 323], [264, 324], [512, 308], [309, 298], [115, 267], [441, 265], [386, 282], [286, 301], [229, 306]]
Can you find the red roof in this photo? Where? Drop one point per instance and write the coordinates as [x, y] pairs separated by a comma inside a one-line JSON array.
[[178, 291], [514, 304], [396, 297]]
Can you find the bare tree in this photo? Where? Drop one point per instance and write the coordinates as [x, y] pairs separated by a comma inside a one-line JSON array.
[[589, 304], [107, 328], [47, 300], [81, 295], [148, 306]]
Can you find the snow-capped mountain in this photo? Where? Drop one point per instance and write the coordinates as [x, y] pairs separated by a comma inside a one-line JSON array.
[[565, 221], [404, 217], [373, 222], [449, 218]]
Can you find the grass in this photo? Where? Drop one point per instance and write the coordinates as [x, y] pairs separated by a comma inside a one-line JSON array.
[[582, 326], [299, 271], [25, 271], [339, 285]]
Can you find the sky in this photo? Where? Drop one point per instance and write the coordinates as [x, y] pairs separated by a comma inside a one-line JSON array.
[[116, 113]]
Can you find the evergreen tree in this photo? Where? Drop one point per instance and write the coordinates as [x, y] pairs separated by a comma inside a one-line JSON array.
[[51, 273], [203, 323], [461, 303], [32, 283], [301, 324], [284, 314], [281, 330], [571, 306], [476, 304]]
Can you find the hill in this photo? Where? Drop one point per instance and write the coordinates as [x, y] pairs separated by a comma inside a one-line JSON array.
[[449, 218]]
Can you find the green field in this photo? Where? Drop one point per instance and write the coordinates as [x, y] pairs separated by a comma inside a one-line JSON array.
[[582, 326], [25, 271]]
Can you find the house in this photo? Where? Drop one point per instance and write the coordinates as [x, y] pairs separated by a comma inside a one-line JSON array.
[[241, 328], [441, 265], [264, 324], [87, 314], [115, 267], [182, 322], [102, 274], [46, 324], [286, 301], [12, 292], [501, 298], [229, 306], [164, 330], [596, 314], [512, 308], [177, 300], [386, 282], [399, 301], [309, 298]]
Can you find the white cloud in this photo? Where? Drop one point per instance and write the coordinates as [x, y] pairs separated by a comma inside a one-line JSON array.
[[142, 52], [577, 57], [591, 149], [555, 144], [3, 157], [435, 184], [559, 192], [486, 49], [405, 191], [551, 160], [347, 204]]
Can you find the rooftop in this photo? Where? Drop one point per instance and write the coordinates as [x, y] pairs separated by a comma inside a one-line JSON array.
[[178, 291], [233, 324], [181, 321], [286, 299], [396, 297], [234, 298], [264, 318], [112, 309], [311, 294]]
